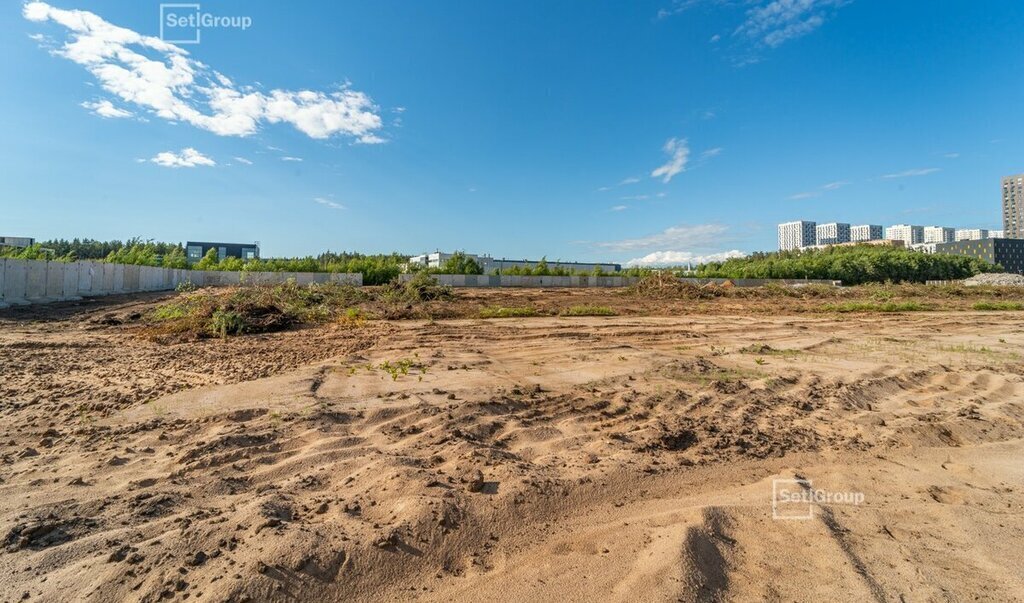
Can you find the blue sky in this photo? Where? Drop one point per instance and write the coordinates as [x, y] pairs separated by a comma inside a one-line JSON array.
[[644, 130]]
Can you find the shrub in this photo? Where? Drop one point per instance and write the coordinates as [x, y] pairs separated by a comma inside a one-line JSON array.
[[420, 288], [503, 312], [998, 305], [907, 306], [589, 311], [852, 265]]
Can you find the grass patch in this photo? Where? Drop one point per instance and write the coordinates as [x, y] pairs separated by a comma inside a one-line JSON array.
[[763, 349], [589, 311], [906, 306], [998, 305], [503, 312]]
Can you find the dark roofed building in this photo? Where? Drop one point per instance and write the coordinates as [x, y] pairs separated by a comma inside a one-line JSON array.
[[1008, 253], [195, 250]]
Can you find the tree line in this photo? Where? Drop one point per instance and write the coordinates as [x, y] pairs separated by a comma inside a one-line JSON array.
[[853, 265]]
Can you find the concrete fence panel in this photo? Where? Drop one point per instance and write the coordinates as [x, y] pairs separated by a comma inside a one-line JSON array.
[[15, 274], [35, 281], [54, 280], [70, 284]]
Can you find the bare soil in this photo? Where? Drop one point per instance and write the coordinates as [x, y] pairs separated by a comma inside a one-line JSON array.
[[625, 458]]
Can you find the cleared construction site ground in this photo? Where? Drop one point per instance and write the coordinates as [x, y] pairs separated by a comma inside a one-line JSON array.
[[484, 444]]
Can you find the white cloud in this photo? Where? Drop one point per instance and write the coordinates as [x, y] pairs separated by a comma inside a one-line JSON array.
[[630, 180], [242, 160], [715, 38], [105, 108], [951, 155], [775, 23], [701, 235], [831, 186], [188, 157], [619, 207], [911, 173], [290, 158], [715, 152], [679, 152], [634, 197], [162, 78], [680, 258], [328, 203]]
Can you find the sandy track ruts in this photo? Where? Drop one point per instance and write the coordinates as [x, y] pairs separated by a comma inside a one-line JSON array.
[[619, 458]]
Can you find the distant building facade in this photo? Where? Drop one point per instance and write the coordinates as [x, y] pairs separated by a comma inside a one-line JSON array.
[[490, 264], [970, 234], [794, 235], [866, 232], [939, 234], [1013, 207], [832, 233], [909, 234], [195, 250], [1008, 253], [996, 234], [17, 241]]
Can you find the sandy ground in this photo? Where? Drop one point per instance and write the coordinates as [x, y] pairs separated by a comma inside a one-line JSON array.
[[575, 459]]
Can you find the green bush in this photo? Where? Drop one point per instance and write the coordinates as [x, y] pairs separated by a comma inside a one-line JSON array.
[[853, 265], [589, 311], [502, 312], [907, 306], [998, 305]]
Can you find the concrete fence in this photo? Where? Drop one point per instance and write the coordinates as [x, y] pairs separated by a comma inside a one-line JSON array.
[[38, 281], [505, 280]]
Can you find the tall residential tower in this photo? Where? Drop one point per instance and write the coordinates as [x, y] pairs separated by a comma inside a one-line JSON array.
[[1013, 207]]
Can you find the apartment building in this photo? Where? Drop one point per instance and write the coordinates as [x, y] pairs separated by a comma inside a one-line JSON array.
[[794, 235], [832, 233], [970, 234], [1013, 206], [866, 232], [939, 234], [909, 234]]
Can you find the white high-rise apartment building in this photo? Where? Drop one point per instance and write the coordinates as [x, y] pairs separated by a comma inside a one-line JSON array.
[[794, 235], [909, 234], [939, 234], [832, 233], [971, 234], [997, 234], [866, 232], [1013, 206]]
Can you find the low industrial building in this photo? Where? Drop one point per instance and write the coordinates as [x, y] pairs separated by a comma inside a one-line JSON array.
[[1008, 253], [17, 241], [490, 264], [195, 250]]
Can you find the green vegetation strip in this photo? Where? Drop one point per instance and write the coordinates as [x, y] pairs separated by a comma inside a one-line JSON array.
[[503, 312], [998, 305], [589, 311], [908, 306]]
